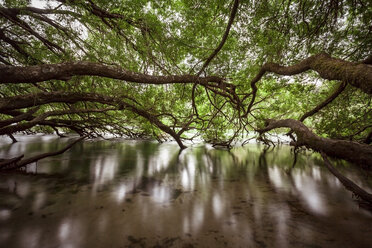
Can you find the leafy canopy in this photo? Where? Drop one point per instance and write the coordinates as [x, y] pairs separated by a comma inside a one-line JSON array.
[[176, 37]]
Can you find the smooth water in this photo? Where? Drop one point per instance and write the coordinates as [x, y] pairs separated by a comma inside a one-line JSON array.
[[143, 194]]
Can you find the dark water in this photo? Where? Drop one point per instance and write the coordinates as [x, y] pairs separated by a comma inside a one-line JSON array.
[[144, 194]]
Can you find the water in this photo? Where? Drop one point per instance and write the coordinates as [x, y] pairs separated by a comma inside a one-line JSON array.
[[144, 194]]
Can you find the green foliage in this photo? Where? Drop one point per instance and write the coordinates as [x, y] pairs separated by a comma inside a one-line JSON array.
[[175, 37]]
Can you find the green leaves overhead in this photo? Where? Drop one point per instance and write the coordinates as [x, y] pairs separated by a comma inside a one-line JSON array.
[[176, 38]]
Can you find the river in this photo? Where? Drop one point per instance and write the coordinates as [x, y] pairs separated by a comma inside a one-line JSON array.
[[122, 193]]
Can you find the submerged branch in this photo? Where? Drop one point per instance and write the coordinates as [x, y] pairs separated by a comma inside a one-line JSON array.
[[18, 162], [350, 185]]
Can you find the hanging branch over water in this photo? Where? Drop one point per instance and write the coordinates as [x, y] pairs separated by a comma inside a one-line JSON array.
[[10, 104], [142, 44], [35, 120], [19, 162], [354, 152]]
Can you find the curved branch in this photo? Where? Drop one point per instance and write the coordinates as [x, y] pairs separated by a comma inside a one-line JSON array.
[[354, 152], [358, 75], [36, 120], [17, 102], [7, 104], [224, 37], [327, 101]]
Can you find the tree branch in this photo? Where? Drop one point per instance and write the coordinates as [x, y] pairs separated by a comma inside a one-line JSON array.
[[350, 185], [354, 152], [40, 73], [327, 101], [358, 75], [17, 102], [18, 162], [224, 37]]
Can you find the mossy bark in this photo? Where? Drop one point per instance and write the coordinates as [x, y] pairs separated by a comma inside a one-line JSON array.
[[360, 154], [358, 75]]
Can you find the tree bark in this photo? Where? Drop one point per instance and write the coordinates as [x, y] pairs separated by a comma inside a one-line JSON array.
[[358, 75], [360, 154], [63, 71]]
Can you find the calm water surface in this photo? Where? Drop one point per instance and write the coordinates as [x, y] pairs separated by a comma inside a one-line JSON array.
[[143, 194]]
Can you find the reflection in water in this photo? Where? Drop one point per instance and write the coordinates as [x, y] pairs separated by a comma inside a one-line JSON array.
[[143, 194], [119, 192], [103, 170], [310, 192]]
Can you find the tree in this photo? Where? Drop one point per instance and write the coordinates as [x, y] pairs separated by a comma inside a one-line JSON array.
[[186, 69]]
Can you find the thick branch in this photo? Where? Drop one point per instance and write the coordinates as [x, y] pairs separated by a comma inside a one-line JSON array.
[[360, 154], [39, 73], [358, 75]]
